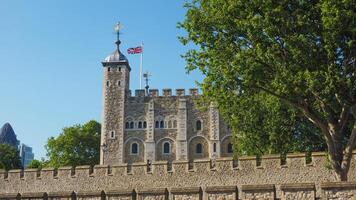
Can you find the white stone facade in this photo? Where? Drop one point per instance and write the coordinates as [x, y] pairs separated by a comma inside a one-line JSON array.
[[150, 127]]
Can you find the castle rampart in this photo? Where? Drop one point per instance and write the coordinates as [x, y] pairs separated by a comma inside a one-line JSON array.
[[166, 92], [245, 178]]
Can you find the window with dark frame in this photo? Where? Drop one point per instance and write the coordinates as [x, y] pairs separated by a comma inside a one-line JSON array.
[[166, 148], [198, 125], [134, 148], [139, 124], [157, 124], [199, 148]]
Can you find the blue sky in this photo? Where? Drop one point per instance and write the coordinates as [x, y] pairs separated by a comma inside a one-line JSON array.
[[50, 54]]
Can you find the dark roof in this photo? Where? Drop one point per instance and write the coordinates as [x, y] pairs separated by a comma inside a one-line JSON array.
[[7, 135], [116, 57]]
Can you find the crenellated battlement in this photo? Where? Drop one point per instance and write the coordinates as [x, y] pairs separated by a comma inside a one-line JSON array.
[[166, 92], [270, 175], [268, 163]]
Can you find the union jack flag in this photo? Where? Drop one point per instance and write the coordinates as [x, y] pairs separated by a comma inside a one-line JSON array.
[[134, 50]]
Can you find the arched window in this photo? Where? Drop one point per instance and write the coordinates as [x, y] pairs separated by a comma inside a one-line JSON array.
[[162, 124], [139, 124], [131, 125], [119, 69], [229, 148], [109, 69], [199, 148], [157, 124], [119, 83], [175, 124], [107, 83], [134, 148], [169, 124], [214, 147], [166, 148], [198, 125], [144, 124], [127, 125]]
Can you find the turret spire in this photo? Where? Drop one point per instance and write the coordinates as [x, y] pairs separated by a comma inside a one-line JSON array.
[[117, 31], [116, 56]]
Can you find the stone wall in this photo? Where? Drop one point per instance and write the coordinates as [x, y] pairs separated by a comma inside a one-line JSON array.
[[115, 86], [179, 115], [299, 191], [220, 179]]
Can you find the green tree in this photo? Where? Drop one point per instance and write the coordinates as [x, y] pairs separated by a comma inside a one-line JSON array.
[[300, 52], [76, 145], [36, 164], [265, 126], [9, 157]]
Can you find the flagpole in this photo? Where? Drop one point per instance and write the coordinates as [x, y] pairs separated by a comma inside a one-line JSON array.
[[141, 63]]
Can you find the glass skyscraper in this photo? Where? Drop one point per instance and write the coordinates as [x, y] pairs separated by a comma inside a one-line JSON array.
[[26, 154]]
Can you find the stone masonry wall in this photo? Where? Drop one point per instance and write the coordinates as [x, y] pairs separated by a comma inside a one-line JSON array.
[[179, 129], [203, 179]]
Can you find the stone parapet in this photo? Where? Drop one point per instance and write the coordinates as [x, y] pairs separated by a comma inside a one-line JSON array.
[[298, 191], [139, 93], [154, 93], [180, 92], [266, 164], [204, 177], [340, 190], [295, 191], [166, 92], [193, 91]]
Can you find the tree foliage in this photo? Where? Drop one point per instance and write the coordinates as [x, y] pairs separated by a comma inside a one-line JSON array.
[[299, 52], [9, 157], [36, 164], [76, 145], [265, 126]]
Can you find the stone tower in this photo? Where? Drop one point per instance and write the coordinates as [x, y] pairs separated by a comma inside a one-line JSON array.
[[115, 88]]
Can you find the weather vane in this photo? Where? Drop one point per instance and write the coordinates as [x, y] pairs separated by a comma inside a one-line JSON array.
[[146, 75], [117, 29]]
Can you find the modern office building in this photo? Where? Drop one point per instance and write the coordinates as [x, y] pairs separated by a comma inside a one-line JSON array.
[[26, 154]]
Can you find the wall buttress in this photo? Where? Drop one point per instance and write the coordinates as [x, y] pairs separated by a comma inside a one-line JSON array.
[[182, 149], [214, 131], [150, 143]]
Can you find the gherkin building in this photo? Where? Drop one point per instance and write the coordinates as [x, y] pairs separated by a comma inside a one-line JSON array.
[[8, 136]]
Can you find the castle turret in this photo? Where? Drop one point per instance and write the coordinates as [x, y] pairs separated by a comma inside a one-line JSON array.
[[115, 88]]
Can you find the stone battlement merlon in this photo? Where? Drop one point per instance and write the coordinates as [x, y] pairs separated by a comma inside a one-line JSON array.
[[302, 191], [271, 163], [166, 92]]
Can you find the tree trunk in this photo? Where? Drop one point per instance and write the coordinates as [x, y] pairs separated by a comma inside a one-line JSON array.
[[342, 174], [341, 156]]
